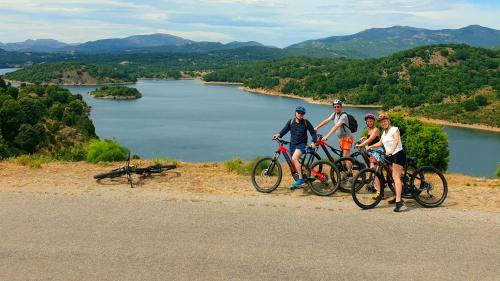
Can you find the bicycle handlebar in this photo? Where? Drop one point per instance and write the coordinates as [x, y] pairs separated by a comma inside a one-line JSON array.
[[281, 141]]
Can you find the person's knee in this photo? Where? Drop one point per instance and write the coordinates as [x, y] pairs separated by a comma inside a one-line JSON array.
[[296, 156]]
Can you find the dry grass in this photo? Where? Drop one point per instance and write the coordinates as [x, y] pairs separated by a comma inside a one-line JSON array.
[[76, 179]]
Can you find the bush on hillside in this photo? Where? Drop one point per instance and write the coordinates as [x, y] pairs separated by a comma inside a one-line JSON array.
[[427, 142], [105, 151]]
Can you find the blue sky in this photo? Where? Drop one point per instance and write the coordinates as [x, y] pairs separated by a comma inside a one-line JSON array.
[[272, 22]]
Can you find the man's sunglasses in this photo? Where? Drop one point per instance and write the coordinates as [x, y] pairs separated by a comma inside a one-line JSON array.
[[337, 106], [300, 112]]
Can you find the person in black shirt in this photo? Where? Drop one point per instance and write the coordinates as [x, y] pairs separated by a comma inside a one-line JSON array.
[[298, 128]]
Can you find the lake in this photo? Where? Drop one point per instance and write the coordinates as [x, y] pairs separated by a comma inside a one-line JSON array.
[[191, 121]]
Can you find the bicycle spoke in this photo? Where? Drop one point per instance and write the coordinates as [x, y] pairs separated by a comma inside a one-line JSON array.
[[430, 187]]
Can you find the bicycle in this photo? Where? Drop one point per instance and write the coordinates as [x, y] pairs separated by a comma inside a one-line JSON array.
[[267, 173], [129, 169], [422, 185], [346, 174]]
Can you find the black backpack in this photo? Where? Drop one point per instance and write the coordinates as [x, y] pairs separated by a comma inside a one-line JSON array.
[[353, 124]]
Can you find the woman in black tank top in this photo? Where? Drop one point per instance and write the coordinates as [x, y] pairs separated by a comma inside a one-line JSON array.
[[373, 132]]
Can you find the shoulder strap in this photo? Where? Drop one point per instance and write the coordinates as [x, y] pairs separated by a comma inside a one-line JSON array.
[[304, 119]]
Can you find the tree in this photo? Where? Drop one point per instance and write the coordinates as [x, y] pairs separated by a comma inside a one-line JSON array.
[[30, 137], [32, 108], [11, 118], [481, 100], [470, 105]]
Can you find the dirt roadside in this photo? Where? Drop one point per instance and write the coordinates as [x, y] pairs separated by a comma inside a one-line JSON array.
[[76, 179]]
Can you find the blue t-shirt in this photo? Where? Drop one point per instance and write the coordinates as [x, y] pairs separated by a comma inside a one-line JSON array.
[[298, 131]]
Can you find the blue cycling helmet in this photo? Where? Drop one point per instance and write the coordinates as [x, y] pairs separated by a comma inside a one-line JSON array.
[[300, 108]]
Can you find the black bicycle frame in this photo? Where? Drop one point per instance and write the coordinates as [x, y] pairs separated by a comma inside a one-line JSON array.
[[283, 150]]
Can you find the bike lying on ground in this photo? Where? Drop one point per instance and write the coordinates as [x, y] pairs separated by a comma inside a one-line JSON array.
[[322, 176], [132, 169], [425, 184], [348, 166]]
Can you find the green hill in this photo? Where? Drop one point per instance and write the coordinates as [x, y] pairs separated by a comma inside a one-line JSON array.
[[99, 69], [421, 79], [378, 42], [41, 119]]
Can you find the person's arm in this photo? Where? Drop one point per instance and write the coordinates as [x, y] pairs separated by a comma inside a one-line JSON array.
[[395, 141], [341, 122], [283, 131], [323, 123], [375, 145], [338, 125], [370, 139], [311, 130]]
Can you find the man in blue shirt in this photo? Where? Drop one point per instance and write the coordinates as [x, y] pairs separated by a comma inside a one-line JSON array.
[[298, 128]]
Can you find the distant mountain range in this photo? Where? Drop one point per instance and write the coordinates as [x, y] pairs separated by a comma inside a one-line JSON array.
[[374, 42], [378, 42], [134, 44], [38, 45]]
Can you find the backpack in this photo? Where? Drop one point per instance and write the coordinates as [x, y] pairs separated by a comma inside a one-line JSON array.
[[353, 124]]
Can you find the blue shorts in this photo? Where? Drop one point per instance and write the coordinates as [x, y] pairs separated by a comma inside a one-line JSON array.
[[302, 148]]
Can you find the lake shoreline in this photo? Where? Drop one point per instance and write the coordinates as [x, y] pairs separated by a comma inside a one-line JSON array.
[[305, 99], [440, 122]]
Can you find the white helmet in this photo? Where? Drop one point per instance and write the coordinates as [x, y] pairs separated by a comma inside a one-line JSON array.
[[336, 101]]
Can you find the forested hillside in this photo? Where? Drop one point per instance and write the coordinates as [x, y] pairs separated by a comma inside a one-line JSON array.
[[98, 69], [41, 119], [465, 79]]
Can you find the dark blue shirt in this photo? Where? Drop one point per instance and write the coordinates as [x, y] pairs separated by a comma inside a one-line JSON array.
[[298, 131]]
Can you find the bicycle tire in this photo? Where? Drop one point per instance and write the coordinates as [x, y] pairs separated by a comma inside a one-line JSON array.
[[275, 166], [319, 179], [346, 179], [425, 175], [363, 191], [112, 174], [158, 168]]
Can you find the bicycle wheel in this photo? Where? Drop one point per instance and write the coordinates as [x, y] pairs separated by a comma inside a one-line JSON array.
[[407, 191], [112, 174], [348, 168], [363, 190], [158, 168], [266, 174], [306, 161], [324, 178], [429, 187]]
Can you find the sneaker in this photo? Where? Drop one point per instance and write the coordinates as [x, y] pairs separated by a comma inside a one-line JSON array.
[[296, 184], [392, 201], [400, 206], [376, 195]]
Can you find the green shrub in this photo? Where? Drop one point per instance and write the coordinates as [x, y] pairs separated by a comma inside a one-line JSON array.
[[71, 154], [470, 105], [234, 165], [427, 142], [32, 161], [105, 151], [481, 100], [498, 170], [243, 167], [4, 149]]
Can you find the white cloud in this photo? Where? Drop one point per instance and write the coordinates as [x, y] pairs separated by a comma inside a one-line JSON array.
[[273, 22]]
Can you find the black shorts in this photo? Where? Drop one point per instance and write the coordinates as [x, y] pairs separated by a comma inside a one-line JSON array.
[[398, 158]]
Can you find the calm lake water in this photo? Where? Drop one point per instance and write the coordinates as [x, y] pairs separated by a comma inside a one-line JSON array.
[[190, 121]]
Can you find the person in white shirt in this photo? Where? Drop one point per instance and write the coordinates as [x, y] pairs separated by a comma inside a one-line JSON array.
[[391, 141]]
